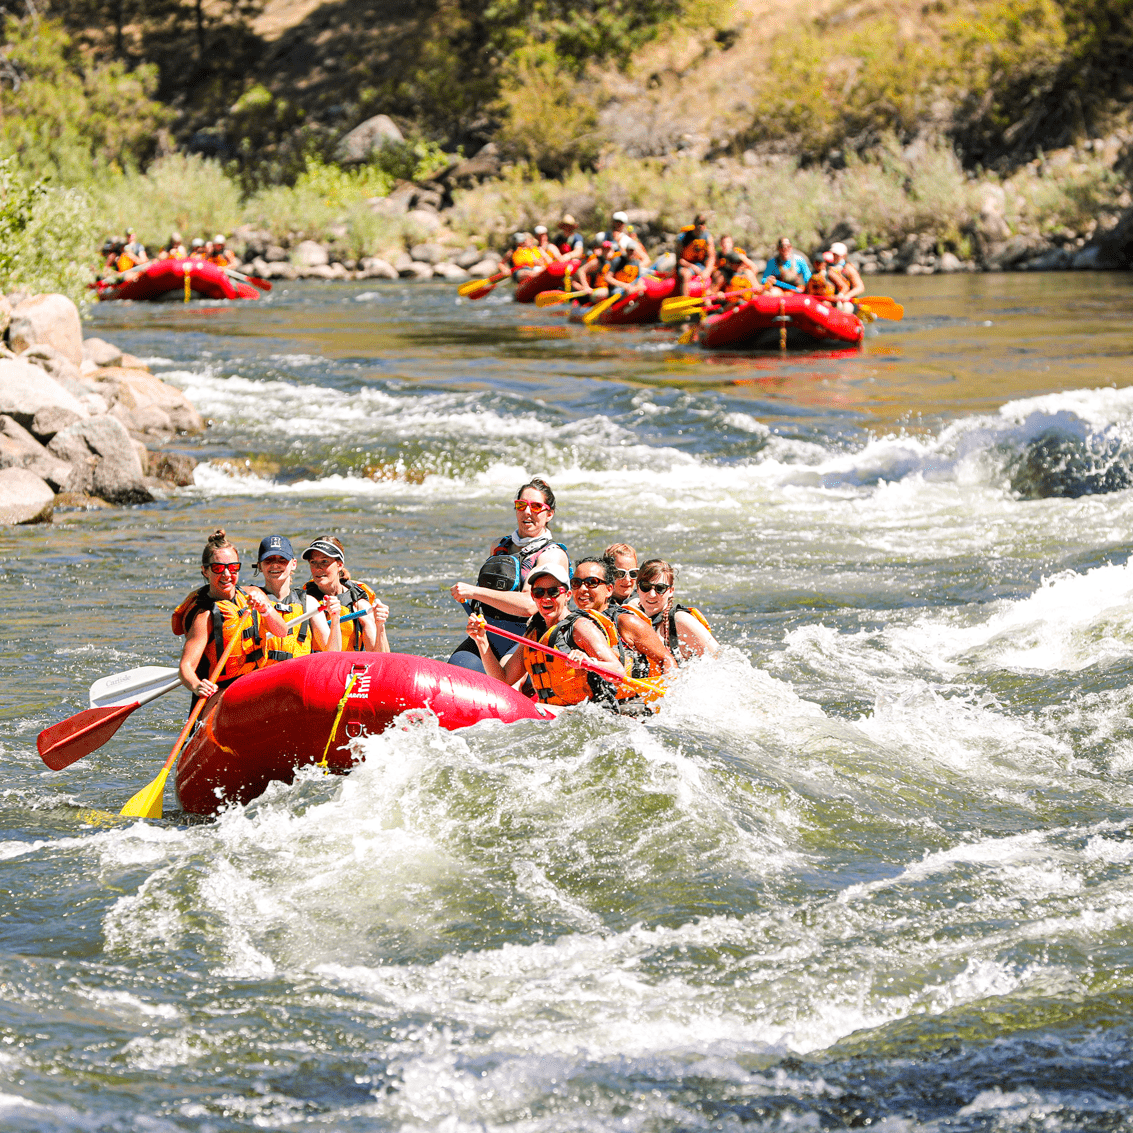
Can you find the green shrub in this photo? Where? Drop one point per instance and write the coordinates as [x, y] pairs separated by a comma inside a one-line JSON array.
[[46, 241], [68, 119], [189, 195]]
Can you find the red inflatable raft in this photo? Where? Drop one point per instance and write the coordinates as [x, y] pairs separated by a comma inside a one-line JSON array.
[[161, 279], [807, 319], [549, 279], [268, 724], [644, 307]]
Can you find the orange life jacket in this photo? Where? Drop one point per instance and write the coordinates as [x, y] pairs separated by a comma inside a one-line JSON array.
[[553, 679], [224, 616], [352, 594], [299, 639], [693, 249]]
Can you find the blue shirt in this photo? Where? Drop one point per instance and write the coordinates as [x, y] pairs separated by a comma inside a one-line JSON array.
[[795, 262]]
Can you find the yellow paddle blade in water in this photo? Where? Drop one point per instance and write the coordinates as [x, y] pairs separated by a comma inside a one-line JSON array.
[[595, 312], [882, 306], [550, 298], [147, 803]]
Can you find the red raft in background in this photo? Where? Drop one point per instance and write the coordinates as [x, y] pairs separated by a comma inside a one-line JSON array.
[[266, 725], [644, 307], [160, 279], [765, 319], [549, 279]]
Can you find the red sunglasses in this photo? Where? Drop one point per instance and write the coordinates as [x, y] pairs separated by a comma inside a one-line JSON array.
[[220, 568], [532, 506]]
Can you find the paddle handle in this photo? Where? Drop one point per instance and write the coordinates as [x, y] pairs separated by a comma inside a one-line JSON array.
[[217, 669]]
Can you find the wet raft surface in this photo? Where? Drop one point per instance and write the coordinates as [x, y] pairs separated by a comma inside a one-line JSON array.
[[870, 865]]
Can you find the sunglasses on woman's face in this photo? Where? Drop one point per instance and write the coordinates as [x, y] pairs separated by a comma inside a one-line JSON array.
[[546, 591], [592, 582], [532, 506], [619, 573], [655, 587], [220, 568]]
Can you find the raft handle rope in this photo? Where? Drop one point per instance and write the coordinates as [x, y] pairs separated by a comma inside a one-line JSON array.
[[355, 673]]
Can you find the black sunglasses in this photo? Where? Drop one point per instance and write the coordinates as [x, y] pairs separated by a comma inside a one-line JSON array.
[[546, 591], [592, 582], [656, 587]]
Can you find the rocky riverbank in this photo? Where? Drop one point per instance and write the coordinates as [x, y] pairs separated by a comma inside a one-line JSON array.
[[81, 423]]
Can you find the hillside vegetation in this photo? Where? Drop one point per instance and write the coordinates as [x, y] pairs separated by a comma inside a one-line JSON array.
[[880, 116]]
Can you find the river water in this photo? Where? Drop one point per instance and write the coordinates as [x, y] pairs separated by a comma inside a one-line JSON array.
[[872, 866]]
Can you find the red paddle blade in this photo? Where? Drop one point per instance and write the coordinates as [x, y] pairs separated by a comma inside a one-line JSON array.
[[262, 284], [481, 292], [69, 740]]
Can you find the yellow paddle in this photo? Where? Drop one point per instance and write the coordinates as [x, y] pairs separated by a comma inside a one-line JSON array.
[[474, 287], [147, 802], [881, 306], [595, 312], [550, 298]]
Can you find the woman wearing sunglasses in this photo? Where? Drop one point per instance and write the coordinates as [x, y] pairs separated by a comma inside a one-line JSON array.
[[624, 558], [277, 560], [502, 590], [211, 616], [326, 557], [580, 635], [683, 629], [592, 587]]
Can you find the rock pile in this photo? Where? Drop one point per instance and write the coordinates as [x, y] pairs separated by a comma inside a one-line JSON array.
[[76, 417]]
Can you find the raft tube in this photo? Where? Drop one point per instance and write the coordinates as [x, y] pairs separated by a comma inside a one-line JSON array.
[[808, 319], [641, 308], [159, 279], [549, 279], [268, 724]]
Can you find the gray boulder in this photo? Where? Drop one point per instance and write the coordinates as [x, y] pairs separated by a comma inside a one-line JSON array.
[[174, 468], [101, 353], [949, 262], [57, 364], [368, 136], [50, 320], [47, 422], [5, 314], [486, 267], [19, 449], [104, 460], [1088, 259], [26, 389], [450, 272], [310, 254], [428, 253], [24, 497], [375, 268], [153, 405]]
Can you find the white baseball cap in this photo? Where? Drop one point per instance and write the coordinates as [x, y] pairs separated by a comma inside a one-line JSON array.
[[621, 216], [838, 249], [556, 570], [540, 229]]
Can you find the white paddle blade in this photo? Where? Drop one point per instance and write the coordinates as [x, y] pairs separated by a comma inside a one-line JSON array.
[[136, 685]]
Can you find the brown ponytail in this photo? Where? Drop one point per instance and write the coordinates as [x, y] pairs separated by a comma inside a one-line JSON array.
[[217, 541]]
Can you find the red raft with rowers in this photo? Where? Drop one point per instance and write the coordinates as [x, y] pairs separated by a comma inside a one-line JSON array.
[[206, 271]]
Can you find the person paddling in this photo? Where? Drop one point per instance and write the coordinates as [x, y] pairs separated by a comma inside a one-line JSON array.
[[502, 589], [326, 557], [592, 586], [277, 560], [582, 636], [683, 629], [212, 616]]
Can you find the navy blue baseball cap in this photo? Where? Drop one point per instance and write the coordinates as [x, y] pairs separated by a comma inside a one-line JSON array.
[[275, 545]]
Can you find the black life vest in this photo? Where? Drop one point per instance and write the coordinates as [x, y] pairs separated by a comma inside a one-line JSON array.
[[666, 627], [509, 565]]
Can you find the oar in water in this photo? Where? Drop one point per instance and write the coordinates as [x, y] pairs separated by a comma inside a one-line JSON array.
[[635, 683], [595, 312], [678, 308], [550, 298], [113, 699], [880, 305], [147, 802], [478, 288], [254, 280]]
